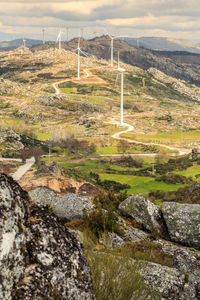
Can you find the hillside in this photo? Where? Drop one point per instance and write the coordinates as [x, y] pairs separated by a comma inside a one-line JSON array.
[[164, 44], [180, 65], [129, 193], [11, 45]]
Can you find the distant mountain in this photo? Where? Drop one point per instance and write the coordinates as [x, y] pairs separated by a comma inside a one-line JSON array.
[[164, 44], [178, 64], [10, 45]]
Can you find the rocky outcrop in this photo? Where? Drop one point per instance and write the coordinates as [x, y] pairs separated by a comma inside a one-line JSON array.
[[142, 211], [50, 169], [134, 235], [50, 100], [39, 257], [130, 234], [182, 222], [169, 282], [72, 206], [43, 195], [188, 264], [10, 140]]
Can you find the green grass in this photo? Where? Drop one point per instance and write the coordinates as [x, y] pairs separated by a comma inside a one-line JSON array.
[[166, 138], [192, 171], [107, 150], [69, 90], [42, 136], [141, 185]]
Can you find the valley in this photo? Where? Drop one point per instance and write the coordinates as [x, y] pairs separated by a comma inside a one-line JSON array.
[[128, 193]]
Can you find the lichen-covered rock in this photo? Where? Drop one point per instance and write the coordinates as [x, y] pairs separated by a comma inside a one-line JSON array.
[[43, 195], [10, 140], [114, 240], [183, 223], [189, 264], [13, 216], [72, 206], [134, 235], [57, 268], [39, 257], [169, 282], [142, 211]]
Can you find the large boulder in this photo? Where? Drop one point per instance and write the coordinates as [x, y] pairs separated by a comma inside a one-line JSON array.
[[133, 235], [183, 223], [142, 211], [169, 282], [188, 263], [72, 206], [39, 257], [43, 196]]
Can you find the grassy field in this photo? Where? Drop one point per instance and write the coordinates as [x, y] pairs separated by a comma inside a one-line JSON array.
[[191, 172], [139, 184], [179, 137]]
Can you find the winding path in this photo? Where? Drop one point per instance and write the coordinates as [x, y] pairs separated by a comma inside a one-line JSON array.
[[23, 169], [131, 128]]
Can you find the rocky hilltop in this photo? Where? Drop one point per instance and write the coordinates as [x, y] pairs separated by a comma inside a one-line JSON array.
[[39, 257], [178, 64]]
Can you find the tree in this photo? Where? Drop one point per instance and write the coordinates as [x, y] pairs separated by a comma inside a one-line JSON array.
[[123, 146], [37, 152], [25, 154]]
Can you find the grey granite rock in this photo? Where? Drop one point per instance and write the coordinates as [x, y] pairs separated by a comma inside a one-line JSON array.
[[167, 281], [183, 223], [143, 211], [134, 235], [39, 258], [72, 206], [42, 195]]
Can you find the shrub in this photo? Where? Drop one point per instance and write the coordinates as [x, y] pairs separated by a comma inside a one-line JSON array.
[[128, 161], [175, 179], [115, 277], [110, 200], [108, 184], [100, 221], [116, 186]]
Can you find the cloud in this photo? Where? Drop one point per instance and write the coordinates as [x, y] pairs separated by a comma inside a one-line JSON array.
[[130, 16]]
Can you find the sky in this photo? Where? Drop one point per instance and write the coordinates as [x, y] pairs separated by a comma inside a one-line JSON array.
[[133, 18]]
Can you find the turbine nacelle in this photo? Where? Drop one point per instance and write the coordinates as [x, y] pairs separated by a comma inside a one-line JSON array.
[[121, 70]]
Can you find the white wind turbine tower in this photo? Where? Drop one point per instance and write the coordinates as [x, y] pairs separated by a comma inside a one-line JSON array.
[[112, 38], [43, 35], [24, 42], [59, 39], [79, 52], [67, 33], [122, 96]]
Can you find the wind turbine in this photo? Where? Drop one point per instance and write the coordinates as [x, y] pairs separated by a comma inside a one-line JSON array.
[[79, 52], [43, 34], [112, 38], [118, 60], [122, 96], [67, 31], [59, 39], [24, 42]]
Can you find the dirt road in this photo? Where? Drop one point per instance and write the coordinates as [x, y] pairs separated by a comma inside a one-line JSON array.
[[23, 169]]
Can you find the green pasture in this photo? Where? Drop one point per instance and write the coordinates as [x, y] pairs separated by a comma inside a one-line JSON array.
[[177, 136], [139, 184], [190, 172]]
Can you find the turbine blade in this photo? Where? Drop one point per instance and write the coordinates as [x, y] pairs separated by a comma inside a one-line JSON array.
[[116, 79], [83, 53]]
